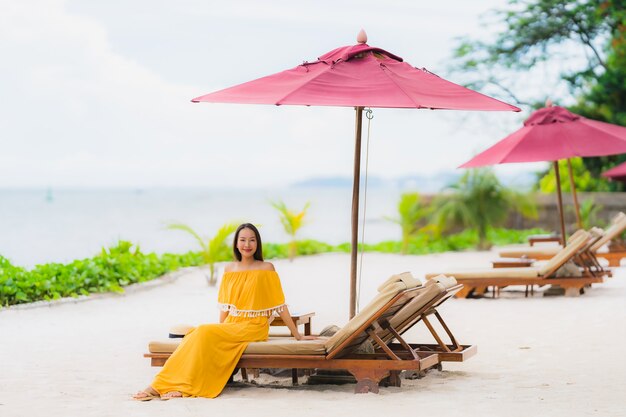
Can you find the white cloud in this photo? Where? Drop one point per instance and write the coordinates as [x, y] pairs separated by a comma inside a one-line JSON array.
[[97, 93]]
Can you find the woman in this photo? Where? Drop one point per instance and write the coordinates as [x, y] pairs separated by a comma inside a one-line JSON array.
[[249, 294]]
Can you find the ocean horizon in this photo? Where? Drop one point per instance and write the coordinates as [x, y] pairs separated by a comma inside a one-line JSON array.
[[41, 225]]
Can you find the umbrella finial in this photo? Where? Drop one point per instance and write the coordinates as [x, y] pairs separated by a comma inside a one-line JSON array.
[[548, 102], [361, 37]]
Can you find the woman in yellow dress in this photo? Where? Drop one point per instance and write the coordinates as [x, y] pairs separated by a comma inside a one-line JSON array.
[[249, 294]]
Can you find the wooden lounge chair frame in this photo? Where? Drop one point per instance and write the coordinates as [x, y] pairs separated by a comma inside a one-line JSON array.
[[388, 360], [586, 257]]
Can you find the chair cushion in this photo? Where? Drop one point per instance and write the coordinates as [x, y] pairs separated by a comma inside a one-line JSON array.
[[459, 274], [288, 346], [432, 289], [404, 277], [618, 226], [534, 252], [565, 254], [273, 346], [164, 346], [385, 294], [180, 330], [445, 281]]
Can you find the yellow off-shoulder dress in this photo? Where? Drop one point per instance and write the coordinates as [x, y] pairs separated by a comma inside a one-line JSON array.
[[208, 354]]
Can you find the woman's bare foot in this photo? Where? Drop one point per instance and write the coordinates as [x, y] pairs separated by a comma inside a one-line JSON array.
[[146, 395], [171, 394]]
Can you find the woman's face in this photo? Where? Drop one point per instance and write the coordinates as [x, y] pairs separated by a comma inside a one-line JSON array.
[[246, 243]]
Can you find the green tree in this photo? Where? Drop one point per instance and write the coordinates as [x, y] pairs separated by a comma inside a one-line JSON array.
[[589, 211], [583, 179], [292, 222], [214, 249], [537, 31], [411, 213], [478, 201]]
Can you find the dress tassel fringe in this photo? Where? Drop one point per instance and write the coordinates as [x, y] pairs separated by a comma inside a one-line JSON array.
[[235, 312]]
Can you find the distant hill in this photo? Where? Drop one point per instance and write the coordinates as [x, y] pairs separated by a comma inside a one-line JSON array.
[[422, 183]]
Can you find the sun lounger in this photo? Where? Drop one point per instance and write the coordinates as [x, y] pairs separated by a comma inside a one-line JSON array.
[[401, 302], [553, 237], [535, 275], [618, 225]]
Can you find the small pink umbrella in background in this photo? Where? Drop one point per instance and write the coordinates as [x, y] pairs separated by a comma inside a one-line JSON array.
[[617, 173], [550, 134], [357, 76]]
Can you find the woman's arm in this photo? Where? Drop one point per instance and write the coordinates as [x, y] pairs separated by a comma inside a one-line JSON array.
[[223, 315], [286, 317]]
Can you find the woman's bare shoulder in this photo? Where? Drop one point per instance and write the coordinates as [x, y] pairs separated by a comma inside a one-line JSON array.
[[230, 267], [267, 266]]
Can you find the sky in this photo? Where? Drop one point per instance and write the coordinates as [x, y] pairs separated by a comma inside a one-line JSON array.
[[97, 93]]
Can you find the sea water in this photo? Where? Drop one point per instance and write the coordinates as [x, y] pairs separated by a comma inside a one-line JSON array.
[[60, 225]]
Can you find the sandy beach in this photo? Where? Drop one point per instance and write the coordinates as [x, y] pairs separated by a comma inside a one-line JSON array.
[[547, 356]]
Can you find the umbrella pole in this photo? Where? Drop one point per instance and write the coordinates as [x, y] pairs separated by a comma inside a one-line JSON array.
[[560, 202], [355, 209], [574, 196]]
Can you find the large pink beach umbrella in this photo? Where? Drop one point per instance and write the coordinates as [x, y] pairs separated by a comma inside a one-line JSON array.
[[357, 76], [617, 173], [550, 134]]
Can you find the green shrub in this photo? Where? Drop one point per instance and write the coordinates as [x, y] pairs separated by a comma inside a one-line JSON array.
[[124, 264], [109, 271]]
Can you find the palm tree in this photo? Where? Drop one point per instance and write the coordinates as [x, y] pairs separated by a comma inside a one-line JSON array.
[[479, 201], [214, 249], [292, 222], [589, 213], [411, 211]]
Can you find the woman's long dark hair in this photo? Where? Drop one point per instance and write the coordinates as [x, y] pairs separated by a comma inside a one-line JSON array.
[[258, 255]]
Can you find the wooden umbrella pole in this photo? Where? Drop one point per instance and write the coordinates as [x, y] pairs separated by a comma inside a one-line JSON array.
[[355, 209], [574, 196], [560, 201]]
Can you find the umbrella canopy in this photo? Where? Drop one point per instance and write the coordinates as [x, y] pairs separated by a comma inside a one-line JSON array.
[[617, 173], [357, 76], [550, 134], [554, 133]]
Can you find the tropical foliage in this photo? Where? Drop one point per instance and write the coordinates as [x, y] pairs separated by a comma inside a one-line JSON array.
[[110, 271], [478, 201], [411, 213], [589, 211], [214, 249], [583, 179], [125, 264], [539, 31], [292, 221]]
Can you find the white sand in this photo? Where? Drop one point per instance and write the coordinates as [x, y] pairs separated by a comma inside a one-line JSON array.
[[553, 356]]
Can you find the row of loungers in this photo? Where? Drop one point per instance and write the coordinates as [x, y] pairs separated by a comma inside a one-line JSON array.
[[577, 254], [401, 303], [616, 228]]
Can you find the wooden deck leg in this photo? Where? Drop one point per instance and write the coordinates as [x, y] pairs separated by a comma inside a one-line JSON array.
[[394, 379], [244, 374], [294, 376], [367, 379], [363, 386]]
